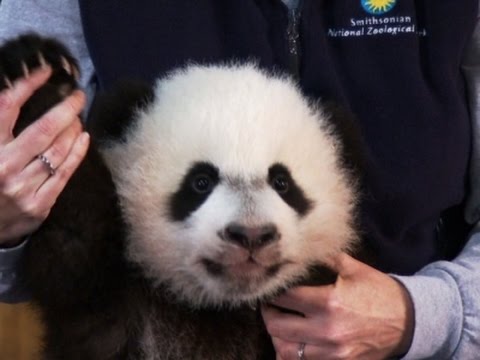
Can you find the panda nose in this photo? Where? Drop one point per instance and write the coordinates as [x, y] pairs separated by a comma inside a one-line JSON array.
[[251, 237]]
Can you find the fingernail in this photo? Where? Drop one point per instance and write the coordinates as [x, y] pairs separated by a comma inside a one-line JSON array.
[[84, 138], [78, 99], [79, 94]]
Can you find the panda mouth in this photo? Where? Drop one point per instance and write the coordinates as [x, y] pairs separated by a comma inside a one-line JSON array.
[[249, 268]]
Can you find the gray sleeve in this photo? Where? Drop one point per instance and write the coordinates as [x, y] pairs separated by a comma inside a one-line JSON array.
[[446, 298], [59, 19]]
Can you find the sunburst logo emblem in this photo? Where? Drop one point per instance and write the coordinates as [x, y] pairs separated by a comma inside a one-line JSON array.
[[378, 7]]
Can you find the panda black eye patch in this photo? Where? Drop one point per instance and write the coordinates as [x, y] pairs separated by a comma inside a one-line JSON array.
[[197, 184], [281, 181]]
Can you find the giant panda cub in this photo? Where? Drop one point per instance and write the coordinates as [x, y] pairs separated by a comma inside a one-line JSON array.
[[200, 197]]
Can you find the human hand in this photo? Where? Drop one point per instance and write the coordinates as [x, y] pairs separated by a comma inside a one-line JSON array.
[[366, 314], [28, 189]]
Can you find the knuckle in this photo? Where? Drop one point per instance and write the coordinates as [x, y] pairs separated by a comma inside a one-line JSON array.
[[56, 151], [5, 171], [37, 207], [332, 334], [36, 210], [47, 125], [332, 302], [76, 157], [295, 333], [272, 327], [15, 190], [6, 100], [62, 173], [284, 351], [343, 352]]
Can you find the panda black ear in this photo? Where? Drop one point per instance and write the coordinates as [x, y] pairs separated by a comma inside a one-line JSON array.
[[113, 113]]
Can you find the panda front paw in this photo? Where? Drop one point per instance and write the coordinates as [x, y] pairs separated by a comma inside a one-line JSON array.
[[23, 55]]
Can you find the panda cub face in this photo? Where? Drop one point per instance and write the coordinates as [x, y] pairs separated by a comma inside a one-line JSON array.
[[231, 185]]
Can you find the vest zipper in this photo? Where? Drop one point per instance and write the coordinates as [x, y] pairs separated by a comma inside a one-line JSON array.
[[293, 38]]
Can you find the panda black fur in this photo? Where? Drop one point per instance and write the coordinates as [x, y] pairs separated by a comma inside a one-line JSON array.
[[214, 190]]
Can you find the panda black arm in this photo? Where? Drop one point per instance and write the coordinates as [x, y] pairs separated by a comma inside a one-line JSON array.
[[86, 215], [75, 257], [73, 264], [75, 269]]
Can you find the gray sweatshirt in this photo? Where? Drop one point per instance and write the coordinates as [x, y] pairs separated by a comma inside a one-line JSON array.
[[446, 295]]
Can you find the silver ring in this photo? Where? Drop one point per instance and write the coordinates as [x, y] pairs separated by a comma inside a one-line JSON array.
[[47, 163], [301, 351]]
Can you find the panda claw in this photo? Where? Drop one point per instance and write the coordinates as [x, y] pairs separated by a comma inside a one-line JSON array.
[[66, 65], [8, 82], [26, 72], [41, 60], [75, 73]]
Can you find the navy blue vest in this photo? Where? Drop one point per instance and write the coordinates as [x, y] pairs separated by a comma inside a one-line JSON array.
[[394, 63]]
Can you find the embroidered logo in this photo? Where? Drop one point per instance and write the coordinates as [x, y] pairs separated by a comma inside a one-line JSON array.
[[378, 7], [378, 22]]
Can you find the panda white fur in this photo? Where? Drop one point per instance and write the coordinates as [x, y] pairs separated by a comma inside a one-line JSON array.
[[227, 186]]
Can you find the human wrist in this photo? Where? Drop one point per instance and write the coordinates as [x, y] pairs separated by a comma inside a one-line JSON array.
[[408, 325]]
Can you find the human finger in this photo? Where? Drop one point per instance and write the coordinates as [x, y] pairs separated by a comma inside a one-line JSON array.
[[346, 266], [38, 170], [285, 325], [277, 343], [37, 137], [293, 350], [305, 299], [53, 186], [298, 350], [34, 206], [289, 350], [14, 97], [22, 210]]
